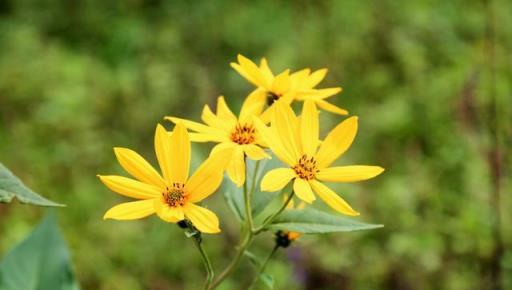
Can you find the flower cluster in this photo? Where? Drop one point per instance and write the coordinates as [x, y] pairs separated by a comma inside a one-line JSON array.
[[265, 126]]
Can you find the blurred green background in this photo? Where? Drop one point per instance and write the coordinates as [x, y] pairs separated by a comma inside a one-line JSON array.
[[430, 80]]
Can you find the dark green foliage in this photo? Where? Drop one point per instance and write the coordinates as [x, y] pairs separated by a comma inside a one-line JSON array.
[[40, 262]]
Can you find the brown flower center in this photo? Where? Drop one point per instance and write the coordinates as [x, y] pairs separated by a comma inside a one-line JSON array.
[[174, 196], [243, 134], [272, 97], [306, 167]]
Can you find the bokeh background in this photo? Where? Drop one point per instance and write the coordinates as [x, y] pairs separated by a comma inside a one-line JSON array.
[[430, 80]]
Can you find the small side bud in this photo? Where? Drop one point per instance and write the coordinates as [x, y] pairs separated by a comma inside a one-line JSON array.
[[282, 239]]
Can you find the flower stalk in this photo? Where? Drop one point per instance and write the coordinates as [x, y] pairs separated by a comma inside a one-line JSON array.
[[247, 237], [261, 270], [271, 218], [210, 274]]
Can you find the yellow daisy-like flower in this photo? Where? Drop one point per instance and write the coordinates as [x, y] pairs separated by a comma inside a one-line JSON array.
[[172, 195], [236, 134], [295, 141], [285, 86]]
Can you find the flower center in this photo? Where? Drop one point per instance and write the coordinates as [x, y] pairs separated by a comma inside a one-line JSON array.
[[272, 97], [175, 196], [243, 134], [306, 167]]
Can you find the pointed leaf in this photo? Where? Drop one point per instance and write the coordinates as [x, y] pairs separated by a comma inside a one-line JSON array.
[[312, 221], [267, 280], [255, 261], [40, 262], [11, 187]]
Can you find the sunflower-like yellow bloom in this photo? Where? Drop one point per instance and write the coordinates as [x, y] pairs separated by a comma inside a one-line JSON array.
[[172, 195], [295, 141], [235, 134], [287, 87]]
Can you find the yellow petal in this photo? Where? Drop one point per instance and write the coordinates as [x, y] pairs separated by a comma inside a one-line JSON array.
[[292, 236], [201, 137], [309, 128], [332, 199], [250, 71], [223, 146], [138, 167], [129, 187], [273, 142], [266, 71], [276, 179], [281, 83], [315, 78], [131, 210], [324, 105], [255, 152], [208, 176], [253, 105], [337, 142], [244, 73], [316, 94], [236, 167], [299, 78], [194, 126], [167, 213], [203, 219], [163, 152], [287, 98], [287, 127], [303, 190], [224, 112], [215, 121], [349, 173], [267, 114], [180, 154]]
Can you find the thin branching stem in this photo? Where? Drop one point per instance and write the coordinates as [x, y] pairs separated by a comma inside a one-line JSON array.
[[247, 201], [246, 239], [270, 219], [261, 270]]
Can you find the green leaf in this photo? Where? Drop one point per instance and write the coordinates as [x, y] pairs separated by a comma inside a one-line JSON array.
[[11, 187], [40, 262], [259, 200], [264, 277], [267, 280], [312, 221], [255, 261]]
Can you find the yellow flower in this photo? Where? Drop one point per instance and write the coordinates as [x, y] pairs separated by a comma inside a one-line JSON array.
[[296, 142], [172, 195], [236, 134], [287, 87]]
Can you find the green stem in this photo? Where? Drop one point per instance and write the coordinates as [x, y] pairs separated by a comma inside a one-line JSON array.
[[263, 266], [270, 219], [206, 261], [246, 239], [247, 201], [234, 263]]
